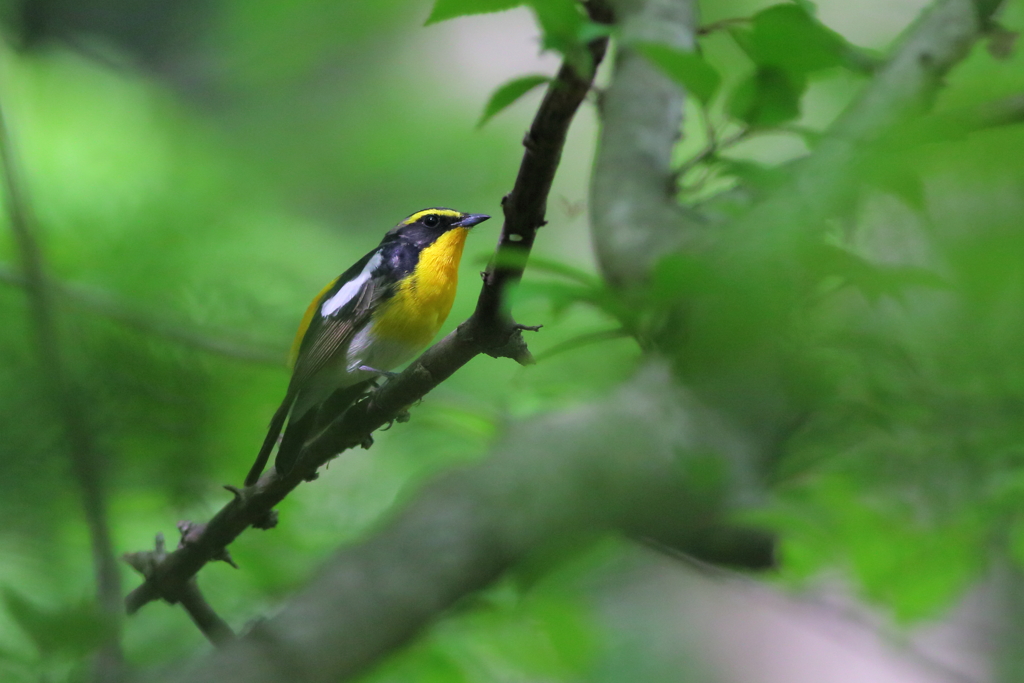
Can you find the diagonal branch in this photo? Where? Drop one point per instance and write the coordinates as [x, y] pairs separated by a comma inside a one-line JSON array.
[[489, 330], [620, 462], [86, 462]]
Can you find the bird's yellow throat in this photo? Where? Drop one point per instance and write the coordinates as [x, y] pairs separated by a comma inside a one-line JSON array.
[[420, 306]]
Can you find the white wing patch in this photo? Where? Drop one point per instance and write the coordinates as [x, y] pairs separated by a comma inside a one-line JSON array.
[[351, 288]]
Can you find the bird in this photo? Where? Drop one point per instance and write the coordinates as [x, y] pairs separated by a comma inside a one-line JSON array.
[[377, 315]]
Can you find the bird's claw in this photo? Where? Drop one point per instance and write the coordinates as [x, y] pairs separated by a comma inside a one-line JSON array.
[[383, 373]]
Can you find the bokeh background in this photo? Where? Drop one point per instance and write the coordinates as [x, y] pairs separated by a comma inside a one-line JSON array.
[[198, 170]]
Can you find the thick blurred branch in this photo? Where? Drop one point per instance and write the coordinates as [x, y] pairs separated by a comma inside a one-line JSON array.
[[86, 462], [621, 462], [489, 330], [106, 306], [634, 215]]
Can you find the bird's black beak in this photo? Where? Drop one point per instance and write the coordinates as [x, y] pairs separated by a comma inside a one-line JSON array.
[[471, 219]]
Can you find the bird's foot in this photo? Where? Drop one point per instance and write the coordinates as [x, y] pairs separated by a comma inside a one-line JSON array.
[[383, 373]]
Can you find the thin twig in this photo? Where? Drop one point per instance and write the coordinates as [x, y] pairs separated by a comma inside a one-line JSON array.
[[86, 463], [107, 306], [489, 330], [709, 148], [191, 598], [204, 617], [713, 149]]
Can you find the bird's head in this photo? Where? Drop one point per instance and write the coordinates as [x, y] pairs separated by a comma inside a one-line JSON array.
[[424, 227]]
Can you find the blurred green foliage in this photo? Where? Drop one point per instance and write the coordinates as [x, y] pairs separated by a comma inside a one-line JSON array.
[[218, 190]]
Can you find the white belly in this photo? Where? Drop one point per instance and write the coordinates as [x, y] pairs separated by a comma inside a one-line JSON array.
[[343, 370]]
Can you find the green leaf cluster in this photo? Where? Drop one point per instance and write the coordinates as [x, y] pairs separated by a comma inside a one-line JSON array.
[[786, 45]]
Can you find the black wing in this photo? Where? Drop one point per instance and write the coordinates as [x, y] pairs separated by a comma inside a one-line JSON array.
[[326, 336], [329, 335]]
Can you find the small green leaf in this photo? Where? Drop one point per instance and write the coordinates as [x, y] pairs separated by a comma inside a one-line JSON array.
[[591, 31], [767, 98], [565, 29], [561, 22], [509, 93], [788, 37], [449, 9], [688, 69]]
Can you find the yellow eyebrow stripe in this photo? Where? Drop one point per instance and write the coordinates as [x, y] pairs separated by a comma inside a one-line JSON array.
[[307, 319], [426, 212]]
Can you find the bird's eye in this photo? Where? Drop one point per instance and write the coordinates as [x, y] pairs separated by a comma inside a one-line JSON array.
[[431, 220]]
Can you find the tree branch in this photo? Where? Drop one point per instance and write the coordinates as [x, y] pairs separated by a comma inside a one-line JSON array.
[[621, 462], [86, 463], [216, 630], [489, 330], [635, 218], [204, 617]]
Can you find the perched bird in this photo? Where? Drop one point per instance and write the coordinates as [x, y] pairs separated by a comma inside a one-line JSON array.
[[377, 315]]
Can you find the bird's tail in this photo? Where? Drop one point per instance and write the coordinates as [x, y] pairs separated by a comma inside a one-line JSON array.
[[299, 430], [276, 424]]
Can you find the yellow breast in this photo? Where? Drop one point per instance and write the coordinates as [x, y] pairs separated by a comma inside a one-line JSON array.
[[420, 306]]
